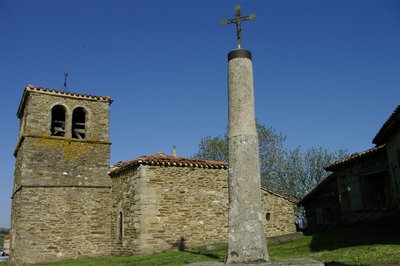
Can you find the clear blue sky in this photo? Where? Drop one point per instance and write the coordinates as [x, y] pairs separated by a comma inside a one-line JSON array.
[[327, 73]]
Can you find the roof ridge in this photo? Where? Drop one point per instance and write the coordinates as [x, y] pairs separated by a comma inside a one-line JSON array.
[[379, 137], [354, 156], [31, 87], [167, 160]]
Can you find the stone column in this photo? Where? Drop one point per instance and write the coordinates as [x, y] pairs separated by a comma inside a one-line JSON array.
[[246, 238]]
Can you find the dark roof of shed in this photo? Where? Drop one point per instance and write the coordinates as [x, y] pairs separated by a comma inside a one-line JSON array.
[[161, 159], [355, 157], [32, 88], [388, 127]]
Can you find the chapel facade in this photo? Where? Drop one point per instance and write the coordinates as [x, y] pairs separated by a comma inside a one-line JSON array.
[[68, 203]]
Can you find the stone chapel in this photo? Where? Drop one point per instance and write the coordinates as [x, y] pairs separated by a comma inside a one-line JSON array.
[[68, 202]]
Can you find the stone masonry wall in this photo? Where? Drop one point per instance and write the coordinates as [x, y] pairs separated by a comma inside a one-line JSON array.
[[62, 161], [281, 210], [183, 206], [62, 191], [176, 207], [51, 227], [37, 115], [125, 199]]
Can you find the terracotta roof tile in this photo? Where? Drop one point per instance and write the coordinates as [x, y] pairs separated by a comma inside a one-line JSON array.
[[391, 123], [31, 88], [354, 157], [162, 159]]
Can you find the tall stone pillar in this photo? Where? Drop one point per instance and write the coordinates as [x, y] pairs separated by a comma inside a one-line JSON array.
[[246, 238]]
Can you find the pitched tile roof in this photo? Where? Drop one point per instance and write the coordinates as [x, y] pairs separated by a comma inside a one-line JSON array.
[[31, 88], [355, 157], [391, 123], [162, 159]]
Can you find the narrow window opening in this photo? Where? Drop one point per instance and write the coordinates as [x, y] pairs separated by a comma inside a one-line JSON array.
[[120, 226], [319, 215], [79, 123], [58, 121], [268, 216], [376, 191]]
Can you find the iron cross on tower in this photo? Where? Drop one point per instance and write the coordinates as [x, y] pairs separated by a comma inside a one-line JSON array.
[[238, 21]]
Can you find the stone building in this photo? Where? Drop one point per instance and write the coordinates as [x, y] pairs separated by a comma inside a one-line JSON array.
[[162, 201], [361, 187], [68, 202], [61, 197]]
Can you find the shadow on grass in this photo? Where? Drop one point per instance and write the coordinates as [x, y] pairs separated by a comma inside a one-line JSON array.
[[383, 231], [210, 255], [214, 251], [335, 263]]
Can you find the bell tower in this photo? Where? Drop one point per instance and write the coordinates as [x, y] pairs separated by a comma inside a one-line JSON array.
[[61, 196]]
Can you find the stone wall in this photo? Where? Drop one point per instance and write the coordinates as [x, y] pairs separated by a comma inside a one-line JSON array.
[[183, 206], [125, 200], [178, 207], [59, 223], [36, 119], [52, 161], [62, 191], [281, 214]]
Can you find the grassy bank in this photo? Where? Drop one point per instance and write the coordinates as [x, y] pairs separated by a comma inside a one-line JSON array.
[[364, 244]]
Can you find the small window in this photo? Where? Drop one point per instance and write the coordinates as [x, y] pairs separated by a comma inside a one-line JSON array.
[[268, 216], [79, 123], [376, 191], [58, 121], [120, 226], [319, 215], [355, 193]]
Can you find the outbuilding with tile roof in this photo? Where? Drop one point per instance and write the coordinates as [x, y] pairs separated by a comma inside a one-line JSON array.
[[365, 185]]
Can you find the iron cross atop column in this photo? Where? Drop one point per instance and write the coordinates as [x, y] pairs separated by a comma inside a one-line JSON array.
[[238, 20]]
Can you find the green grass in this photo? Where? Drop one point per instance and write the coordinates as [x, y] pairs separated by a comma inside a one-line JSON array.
[[170, 258], [376, 243], [378, 254], [365, 244]]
